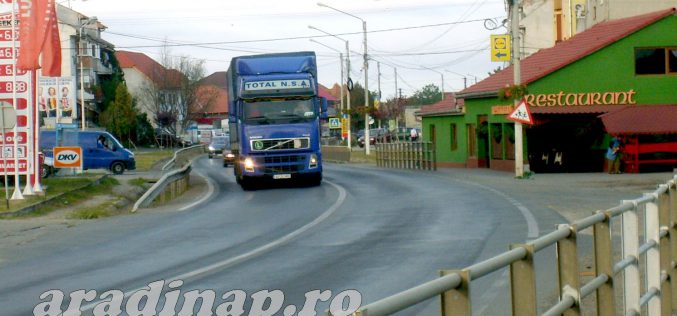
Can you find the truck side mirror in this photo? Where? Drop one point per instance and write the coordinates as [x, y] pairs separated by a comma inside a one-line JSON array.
[[323, 108]]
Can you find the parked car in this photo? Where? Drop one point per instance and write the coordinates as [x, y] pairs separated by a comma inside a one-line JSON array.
[[376, 135], [217, 144], [228, 156]]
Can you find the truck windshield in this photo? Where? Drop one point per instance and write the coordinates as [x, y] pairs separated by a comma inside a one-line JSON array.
[[279, 112]]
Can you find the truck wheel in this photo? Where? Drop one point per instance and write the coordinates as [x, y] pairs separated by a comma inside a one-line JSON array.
[[316, 180], [247, 184], [117, 167]]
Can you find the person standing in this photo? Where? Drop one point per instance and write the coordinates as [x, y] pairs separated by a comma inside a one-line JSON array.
[[413, 134], [613, 156]]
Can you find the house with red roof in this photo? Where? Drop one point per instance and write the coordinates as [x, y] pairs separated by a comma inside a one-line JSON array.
[[211, 102], [155, 88], [617, 78]]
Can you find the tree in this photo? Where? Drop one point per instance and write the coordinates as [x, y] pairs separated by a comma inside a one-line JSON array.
[[427, 95], [174, 94], [357, 107], [195, 98], [119, 117]]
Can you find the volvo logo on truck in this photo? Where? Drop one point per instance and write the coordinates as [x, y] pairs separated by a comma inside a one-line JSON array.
[[67, 157]]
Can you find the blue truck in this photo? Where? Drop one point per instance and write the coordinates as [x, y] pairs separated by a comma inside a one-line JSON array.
[[100, 150], [274, 118]]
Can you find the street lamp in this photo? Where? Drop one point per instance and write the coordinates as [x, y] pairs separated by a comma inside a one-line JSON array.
[[366, 74], [346, 79], [83, 22], [341, 63]]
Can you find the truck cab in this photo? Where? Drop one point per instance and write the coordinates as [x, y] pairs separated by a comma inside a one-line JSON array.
[[274, 118]]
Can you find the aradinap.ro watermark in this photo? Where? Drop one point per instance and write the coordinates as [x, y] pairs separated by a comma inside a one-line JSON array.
[[146, 302]]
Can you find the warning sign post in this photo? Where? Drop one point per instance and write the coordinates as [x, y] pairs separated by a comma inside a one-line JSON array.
[[521, 113]]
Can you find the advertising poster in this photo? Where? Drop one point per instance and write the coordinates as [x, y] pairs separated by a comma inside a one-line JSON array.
[[56, 99]]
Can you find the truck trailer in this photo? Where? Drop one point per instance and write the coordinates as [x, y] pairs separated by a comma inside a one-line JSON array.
[[274, 118]]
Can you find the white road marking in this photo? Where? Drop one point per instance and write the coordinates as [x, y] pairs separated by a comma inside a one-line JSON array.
[[250, 254], [210, 188]]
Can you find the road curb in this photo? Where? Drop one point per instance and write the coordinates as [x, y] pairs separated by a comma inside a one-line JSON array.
[[31, 208]]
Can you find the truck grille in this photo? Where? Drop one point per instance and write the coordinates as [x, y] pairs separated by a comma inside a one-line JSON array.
[[280, 144], [284, 159], [283, 169]]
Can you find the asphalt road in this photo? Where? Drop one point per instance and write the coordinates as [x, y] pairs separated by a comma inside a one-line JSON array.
[[375, 231]]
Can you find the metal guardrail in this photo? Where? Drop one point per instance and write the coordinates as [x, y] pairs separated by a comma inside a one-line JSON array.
[[179, 153], [406, 155], [657, 211], [175, 179]]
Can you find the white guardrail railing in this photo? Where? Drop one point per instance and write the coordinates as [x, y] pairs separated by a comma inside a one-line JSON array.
[[179, 152], [175, 179], [650, 289]]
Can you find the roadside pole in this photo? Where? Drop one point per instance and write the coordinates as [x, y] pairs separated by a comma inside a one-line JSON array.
[[515, 36]]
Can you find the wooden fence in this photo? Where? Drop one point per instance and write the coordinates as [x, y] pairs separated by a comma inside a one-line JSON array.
[[407, 155]]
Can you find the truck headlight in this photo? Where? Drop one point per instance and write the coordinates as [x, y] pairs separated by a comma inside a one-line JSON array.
[[211, 148], [313, 161], [248, 165]]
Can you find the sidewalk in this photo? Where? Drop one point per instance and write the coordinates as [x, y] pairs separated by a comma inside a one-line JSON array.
[[573, 195]]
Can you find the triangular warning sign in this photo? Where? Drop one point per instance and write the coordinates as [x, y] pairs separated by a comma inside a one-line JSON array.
[[521, 113]]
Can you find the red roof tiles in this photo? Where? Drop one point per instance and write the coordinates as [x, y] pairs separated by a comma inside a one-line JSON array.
[[326, 93], [447, 106], [548, 60], [643, 119], [212, 95], [163, 77]]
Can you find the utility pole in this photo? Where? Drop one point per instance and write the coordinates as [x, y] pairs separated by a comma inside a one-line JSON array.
[[442, 75], [366, 91], [397, 104], [465, 82], [378, 67], [347, 79], [515, 30]]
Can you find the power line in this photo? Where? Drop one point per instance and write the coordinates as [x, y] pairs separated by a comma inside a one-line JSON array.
[[205, 44]]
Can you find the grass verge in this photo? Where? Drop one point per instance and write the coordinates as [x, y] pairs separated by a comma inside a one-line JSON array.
[[145, 160], [89, 213], [57, 186], [139, 182]]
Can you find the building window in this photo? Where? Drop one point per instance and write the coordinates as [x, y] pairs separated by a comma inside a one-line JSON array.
[[453, 134], [655, 61]]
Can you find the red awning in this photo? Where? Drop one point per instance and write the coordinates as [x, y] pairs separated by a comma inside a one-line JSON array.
[[581, 109], [643, 119]]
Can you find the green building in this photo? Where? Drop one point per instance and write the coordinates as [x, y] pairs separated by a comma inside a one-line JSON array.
[[618, 78]]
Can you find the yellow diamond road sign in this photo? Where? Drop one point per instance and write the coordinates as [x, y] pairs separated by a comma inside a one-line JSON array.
[[500, 47]]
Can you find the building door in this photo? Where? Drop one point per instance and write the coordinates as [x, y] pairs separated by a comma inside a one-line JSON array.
[[483, 153], [433, 134]]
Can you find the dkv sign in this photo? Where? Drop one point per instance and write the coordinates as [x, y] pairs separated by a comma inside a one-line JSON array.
[[67, 157]]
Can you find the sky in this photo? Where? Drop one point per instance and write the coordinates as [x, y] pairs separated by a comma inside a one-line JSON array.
[[423, 39]]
